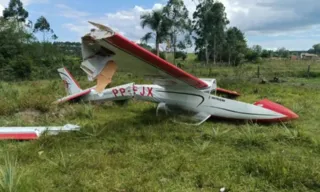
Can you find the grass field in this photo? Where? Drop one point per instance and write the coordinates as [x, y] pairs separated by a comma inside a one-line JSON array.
[[128, 149]]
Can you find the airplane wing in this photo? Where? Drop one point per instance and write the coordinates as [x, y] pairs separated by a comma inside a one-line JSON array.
[[102, 45]]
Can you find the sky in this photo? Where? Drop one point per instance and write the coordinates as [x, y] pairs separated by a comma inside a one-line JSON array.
[[293, 24]]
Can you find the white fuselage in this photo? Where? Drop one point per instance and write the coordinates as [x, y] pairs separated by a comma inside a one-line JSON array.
[[194, 100]]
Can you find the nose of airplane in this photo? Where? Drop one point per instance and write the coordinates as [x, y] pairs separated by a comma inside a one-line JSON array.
[[289, 115]]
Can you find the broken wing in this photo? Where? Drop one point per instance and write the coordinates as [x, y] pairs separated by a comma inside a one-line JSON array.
[[104, 45]]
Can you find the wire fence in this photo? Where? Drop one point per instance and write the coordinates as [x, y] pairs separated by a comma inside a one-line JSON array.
[[266, 69]]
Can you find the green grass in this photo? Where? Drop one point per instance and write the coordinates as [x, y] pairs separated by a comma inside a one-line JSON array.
[[129, 149]]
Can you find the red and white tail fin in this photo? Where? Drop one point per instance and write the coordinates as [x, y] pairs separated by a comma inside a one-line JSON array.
[[71, 85]]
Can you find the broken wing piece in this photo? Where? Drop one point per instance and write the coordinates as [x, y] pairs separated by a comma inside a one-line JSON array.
[[132, 58], [31, 133]]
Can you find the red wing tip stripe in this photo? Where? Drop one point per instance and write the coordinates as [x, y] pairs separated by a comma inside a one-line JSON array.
[[18, 136]]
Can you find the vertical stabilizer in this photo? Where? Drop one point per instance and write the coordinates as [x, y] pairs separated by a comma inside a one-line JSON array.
[[71, 85]]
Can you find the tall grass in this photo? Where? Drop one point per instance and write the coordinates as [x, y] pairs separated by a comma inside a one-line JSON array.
[[10, 175], [127, 148]]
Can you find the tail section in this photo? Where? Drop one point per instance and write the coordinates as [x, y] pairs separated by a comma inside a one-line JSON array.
[[71, 85]]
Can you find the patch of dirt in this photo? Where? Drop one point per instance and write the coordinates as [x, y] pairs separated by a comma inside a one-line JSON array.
[[61, 112], [29, 115]]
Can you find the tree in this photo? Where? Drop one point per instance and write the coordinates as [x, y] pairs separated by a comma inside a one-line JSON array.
[[283, 52], [180, 24], [235, 45], [209, 23], [145, 46], [219, 18], [43, 26], [15, 10], [316, 48], [257, 49], [231, 41], [311, 50], [14, 51], [266, 53], [146, 37], [201, 29], [54, 37], [158, 23], [254, 54]]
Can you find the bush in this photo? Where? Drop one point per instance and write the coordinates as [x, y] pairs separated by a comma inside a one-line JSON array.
[[22, 67], [180, 54], [162, 54]]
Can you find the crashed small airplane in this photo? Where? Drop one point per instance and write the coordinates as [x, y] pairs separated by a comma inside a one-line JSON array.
[[176, 91]]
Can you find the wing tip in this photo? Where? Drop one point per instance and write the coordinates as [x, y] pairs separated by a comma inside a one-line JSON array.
[[101, 27]]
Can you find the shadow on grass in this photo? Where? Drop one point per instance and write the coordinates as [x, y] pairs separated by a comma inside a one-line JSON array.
[[227, 121]]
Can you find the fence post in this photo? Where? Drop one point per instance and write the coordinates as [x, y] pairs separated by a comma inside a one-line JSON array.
[[308, 72], [258, 71]]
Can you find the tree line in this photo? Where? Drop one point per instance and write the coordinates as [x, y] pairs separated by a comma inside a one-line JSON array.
[[23, 56], [214, 40]]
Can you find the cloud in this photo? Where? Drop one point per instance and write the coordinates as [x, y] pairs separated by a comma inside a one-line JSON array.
[[274, 16], [125, 22], [29, 2], [1, 9], [76, 28], [69, 12], [296, 44], [268, 18]]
